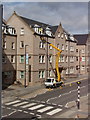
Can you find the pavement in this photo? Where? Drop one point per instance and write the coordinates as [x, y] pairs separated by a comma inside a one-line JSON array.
[[73, 111], [14, 91]]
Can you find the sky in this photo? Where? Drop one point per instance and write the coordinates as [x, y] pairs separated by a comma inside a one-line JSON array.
[[72, 15]]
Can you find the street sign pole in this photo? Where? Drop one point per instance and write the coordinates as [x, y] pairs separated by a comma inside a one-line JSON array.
[[78, 97], [78, 100]]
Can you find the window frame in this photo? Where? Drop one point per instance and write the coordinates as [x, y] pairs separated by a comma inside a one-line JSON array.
[[13, 45], [22, 75], [21, 44], [21, 59], [12, 58], [83, 60], [4, 58], [41, 74], [41, 59], [22, 31]]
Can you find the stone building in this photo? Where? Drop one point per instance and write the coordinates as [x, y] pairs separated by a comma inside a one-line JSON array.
[[32, 65], [9, 43], [82, 53]]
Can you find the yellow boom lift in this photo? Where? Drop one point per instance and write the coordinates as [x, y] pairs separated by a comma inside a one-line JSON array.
[[57, 58]]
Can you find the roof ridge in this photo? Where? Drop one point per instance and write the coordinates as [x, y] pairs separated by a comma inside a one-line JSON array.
[[35, 21], [81, 34]]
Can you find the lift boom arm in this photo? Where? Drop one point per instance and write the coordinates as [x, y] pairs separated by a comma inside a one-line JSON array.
[[57, 59]]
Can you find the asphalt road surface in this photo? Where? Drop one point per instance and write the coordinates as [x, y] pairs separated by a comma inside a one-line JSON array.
[[47, 105]]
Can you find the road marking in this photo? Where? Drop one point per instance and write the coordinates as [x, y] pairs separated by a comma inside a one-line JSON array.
[[49, 103], [25, 111], [18, 104], [65, 93], [4, 116], [73, 90], [10, 103], [8, 108], [20, 110], [37, 101], [73, 104], [59, 95], [84, 86], [51, 99], [36, 107], [38, 115], [14, 109], [70, 91], [28, 105], [42, 102], [31, 113], [45, 109], [11, 113], [60, 105], [54, 104], [54, 111], [75, 81], [66, 105]]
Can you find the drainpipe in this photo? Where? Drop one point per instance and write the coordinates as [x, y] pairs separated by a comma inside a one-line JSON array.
[[47, 58]]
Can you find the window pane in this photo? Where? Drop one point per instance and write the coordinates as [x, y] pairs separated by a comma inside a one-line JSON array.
[[22, 31], [83, 58], [13, 45], [43, 74], [21, 74], [22, 59], [22, 44], [12, 58], [3, 59]]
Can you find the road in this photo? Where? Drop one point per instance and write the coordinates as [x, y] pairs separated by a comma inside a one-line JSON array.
[[47, 105]]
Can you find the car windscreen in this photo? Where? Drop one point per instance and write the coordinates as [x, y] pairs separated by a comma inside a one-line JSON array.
[[48, 80]]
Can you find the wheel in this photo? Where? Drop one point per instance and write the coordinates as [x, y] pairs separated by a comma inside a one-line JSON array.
[[54, 86]]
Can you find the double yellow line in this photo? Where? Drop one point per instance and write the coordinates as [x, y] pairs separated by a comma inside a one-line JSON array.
[[70, 83]]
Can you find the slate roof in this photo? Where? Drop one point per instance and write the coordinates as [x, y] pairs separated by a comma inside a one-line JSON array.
[[54, 28], [4, 22], [33, 22], [81, 38]]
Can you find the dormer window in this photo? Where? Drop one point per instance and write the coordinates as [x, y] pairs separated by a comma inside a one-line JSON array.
[[36, 28], [48, 31], [66, 37], [13, 31], [72, 38], [5, 30], [40, 30]]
